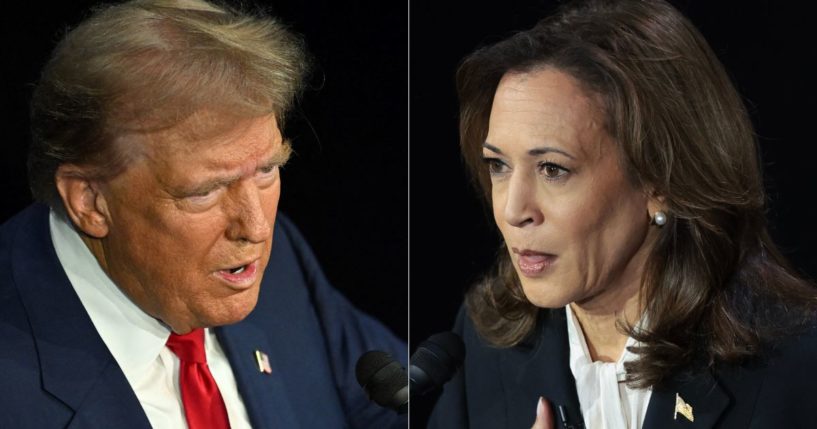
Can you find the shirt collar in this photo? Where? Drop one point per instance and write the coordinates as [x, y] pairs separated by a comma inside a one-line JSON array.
[[580, 354], [133, 337]]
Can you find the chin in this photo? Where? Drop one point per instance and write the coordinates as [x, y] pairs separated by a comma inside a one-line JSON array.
[[230, 310], [544, 294]]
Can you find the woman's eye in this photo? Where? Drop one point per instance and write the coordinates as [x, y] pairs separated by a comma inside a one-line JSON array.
[[552, 171], [495, 166]]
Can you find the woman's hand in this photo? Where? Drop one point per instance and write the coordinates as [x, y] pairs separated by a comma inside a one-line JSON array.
[[544, 415]]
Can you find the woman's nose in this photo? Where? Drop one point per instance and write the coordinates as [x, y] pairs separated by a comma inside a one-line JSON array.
[[521, 205]]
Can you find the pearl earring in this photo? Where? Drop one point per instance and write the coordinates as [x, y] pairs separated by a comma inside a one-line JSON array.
[[659, 218]]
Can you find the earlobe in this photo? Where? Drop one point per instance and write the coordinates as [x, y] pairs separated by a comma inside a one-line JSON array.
[[657, 209], [656, 204], [83, 201]]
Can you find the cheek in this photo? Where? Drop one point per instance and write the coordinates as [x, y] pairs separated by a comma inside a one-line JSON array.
[[626, 230], [498, 208], [158, 234], [269, 200], [182, 253], [605, 236]]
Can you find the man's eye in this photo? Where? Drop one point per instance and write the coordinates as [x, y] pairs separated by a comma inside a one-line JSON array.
[[200, 194], [267, 175], [270, 169], [200, 198]]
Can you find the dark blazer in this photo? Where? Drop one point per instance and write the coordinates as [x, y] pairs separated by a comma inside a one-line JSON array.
[[498, 388], [56, 372]]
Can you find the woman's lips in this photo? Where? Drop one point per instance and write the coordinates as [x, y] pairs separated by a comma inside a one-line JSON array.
[[532, 263], [241, 278]]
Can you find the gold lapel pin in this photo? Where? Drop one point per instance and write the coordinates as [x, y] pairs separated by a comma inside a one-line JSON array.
[[262, 360], [683, 408]]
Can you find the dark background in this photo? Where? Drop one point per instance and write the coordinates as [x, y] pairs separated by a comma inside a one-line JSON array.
[[346, 187], [767, 47]]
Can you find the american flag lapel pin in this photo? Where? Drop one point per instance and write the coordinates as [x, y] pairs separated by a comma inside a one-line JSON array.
[[262, 360], [682, 408]]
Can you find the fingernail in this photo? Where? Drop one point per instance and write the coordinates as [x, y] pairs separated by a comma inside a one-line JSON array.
[[540, 409]]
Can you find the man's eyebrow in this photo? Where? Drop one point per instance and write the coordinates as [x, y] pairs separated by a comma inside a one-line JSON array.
[[533, 152], [210, 185], [279, 158]]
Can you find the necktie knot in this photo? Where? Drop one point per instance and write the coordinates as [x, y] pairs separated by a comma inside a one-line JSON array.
[[188, 347]]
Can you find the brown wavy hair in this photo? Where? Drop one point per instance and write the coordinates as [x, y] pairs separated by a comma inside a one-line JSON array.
[[715, 288], [145, 65]]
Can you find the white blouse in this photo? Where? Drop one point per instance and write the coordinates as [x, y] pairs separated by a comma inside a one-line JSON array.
[[606, 401]]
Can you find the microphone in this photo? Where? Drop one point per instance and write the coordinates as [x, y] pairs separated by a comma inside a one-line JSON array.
[[384, 380], [435, 362]]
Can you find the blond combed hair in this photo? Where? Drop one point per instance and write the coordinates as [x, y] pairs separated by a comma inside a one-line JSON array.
[[147, 65]]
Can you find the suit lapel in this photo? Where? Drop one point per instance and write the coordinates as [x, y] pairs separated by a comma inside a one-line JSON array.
[[540, 367], [264, 395], [76, 366], [700, 391]]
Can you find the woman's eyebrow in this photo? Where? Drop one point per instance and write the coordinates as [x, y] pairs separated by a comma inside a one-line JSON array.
[[547, 149], [492, 148], [533, 152]]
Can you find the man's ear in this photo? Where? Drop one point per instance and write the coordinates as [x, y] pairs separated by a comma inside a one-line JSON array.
[[83, 201]]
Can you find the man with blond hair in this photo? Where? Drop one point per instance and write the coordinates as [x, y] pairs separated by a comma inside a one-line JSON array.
[[145, 289]]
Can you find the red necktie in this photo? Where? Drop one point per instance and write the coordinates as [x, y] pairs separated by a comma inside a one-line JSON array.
[[202, 401]]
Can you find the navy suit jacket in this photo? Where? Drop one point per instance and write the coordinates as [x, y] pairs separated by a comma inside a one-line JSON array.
[[56, 372], [499, 388]]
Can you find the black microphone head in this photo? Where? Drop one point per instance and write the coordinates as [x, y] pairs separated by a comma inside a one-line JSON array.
[[450, 343], [439, 356], [382, 377], [369, 363]]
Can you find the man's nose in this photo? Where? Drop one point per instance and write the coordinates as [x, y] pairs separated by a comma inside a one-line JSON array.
[[248, 221]]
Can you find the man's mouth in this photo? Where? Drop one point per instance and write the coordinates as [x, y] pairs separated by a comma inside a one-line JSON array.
[[240, 276], [237, 270]]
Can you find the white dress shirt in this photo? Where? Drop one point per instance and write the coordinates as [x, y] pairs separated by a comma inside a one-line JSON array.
[[136, 340], [606, 401]]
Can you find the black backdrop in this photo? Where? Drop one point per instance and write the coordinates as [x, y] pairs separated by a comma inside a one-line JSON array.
[[767, 49], [346, 186]]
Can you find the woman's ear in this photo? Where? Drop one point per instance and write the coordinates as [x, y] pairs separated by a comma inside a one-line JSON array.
[[83, 201], [656, 205]]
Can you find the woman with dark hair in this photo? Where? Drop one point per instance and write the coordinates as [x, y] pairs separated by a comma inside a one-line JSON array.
[[637, 285]]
